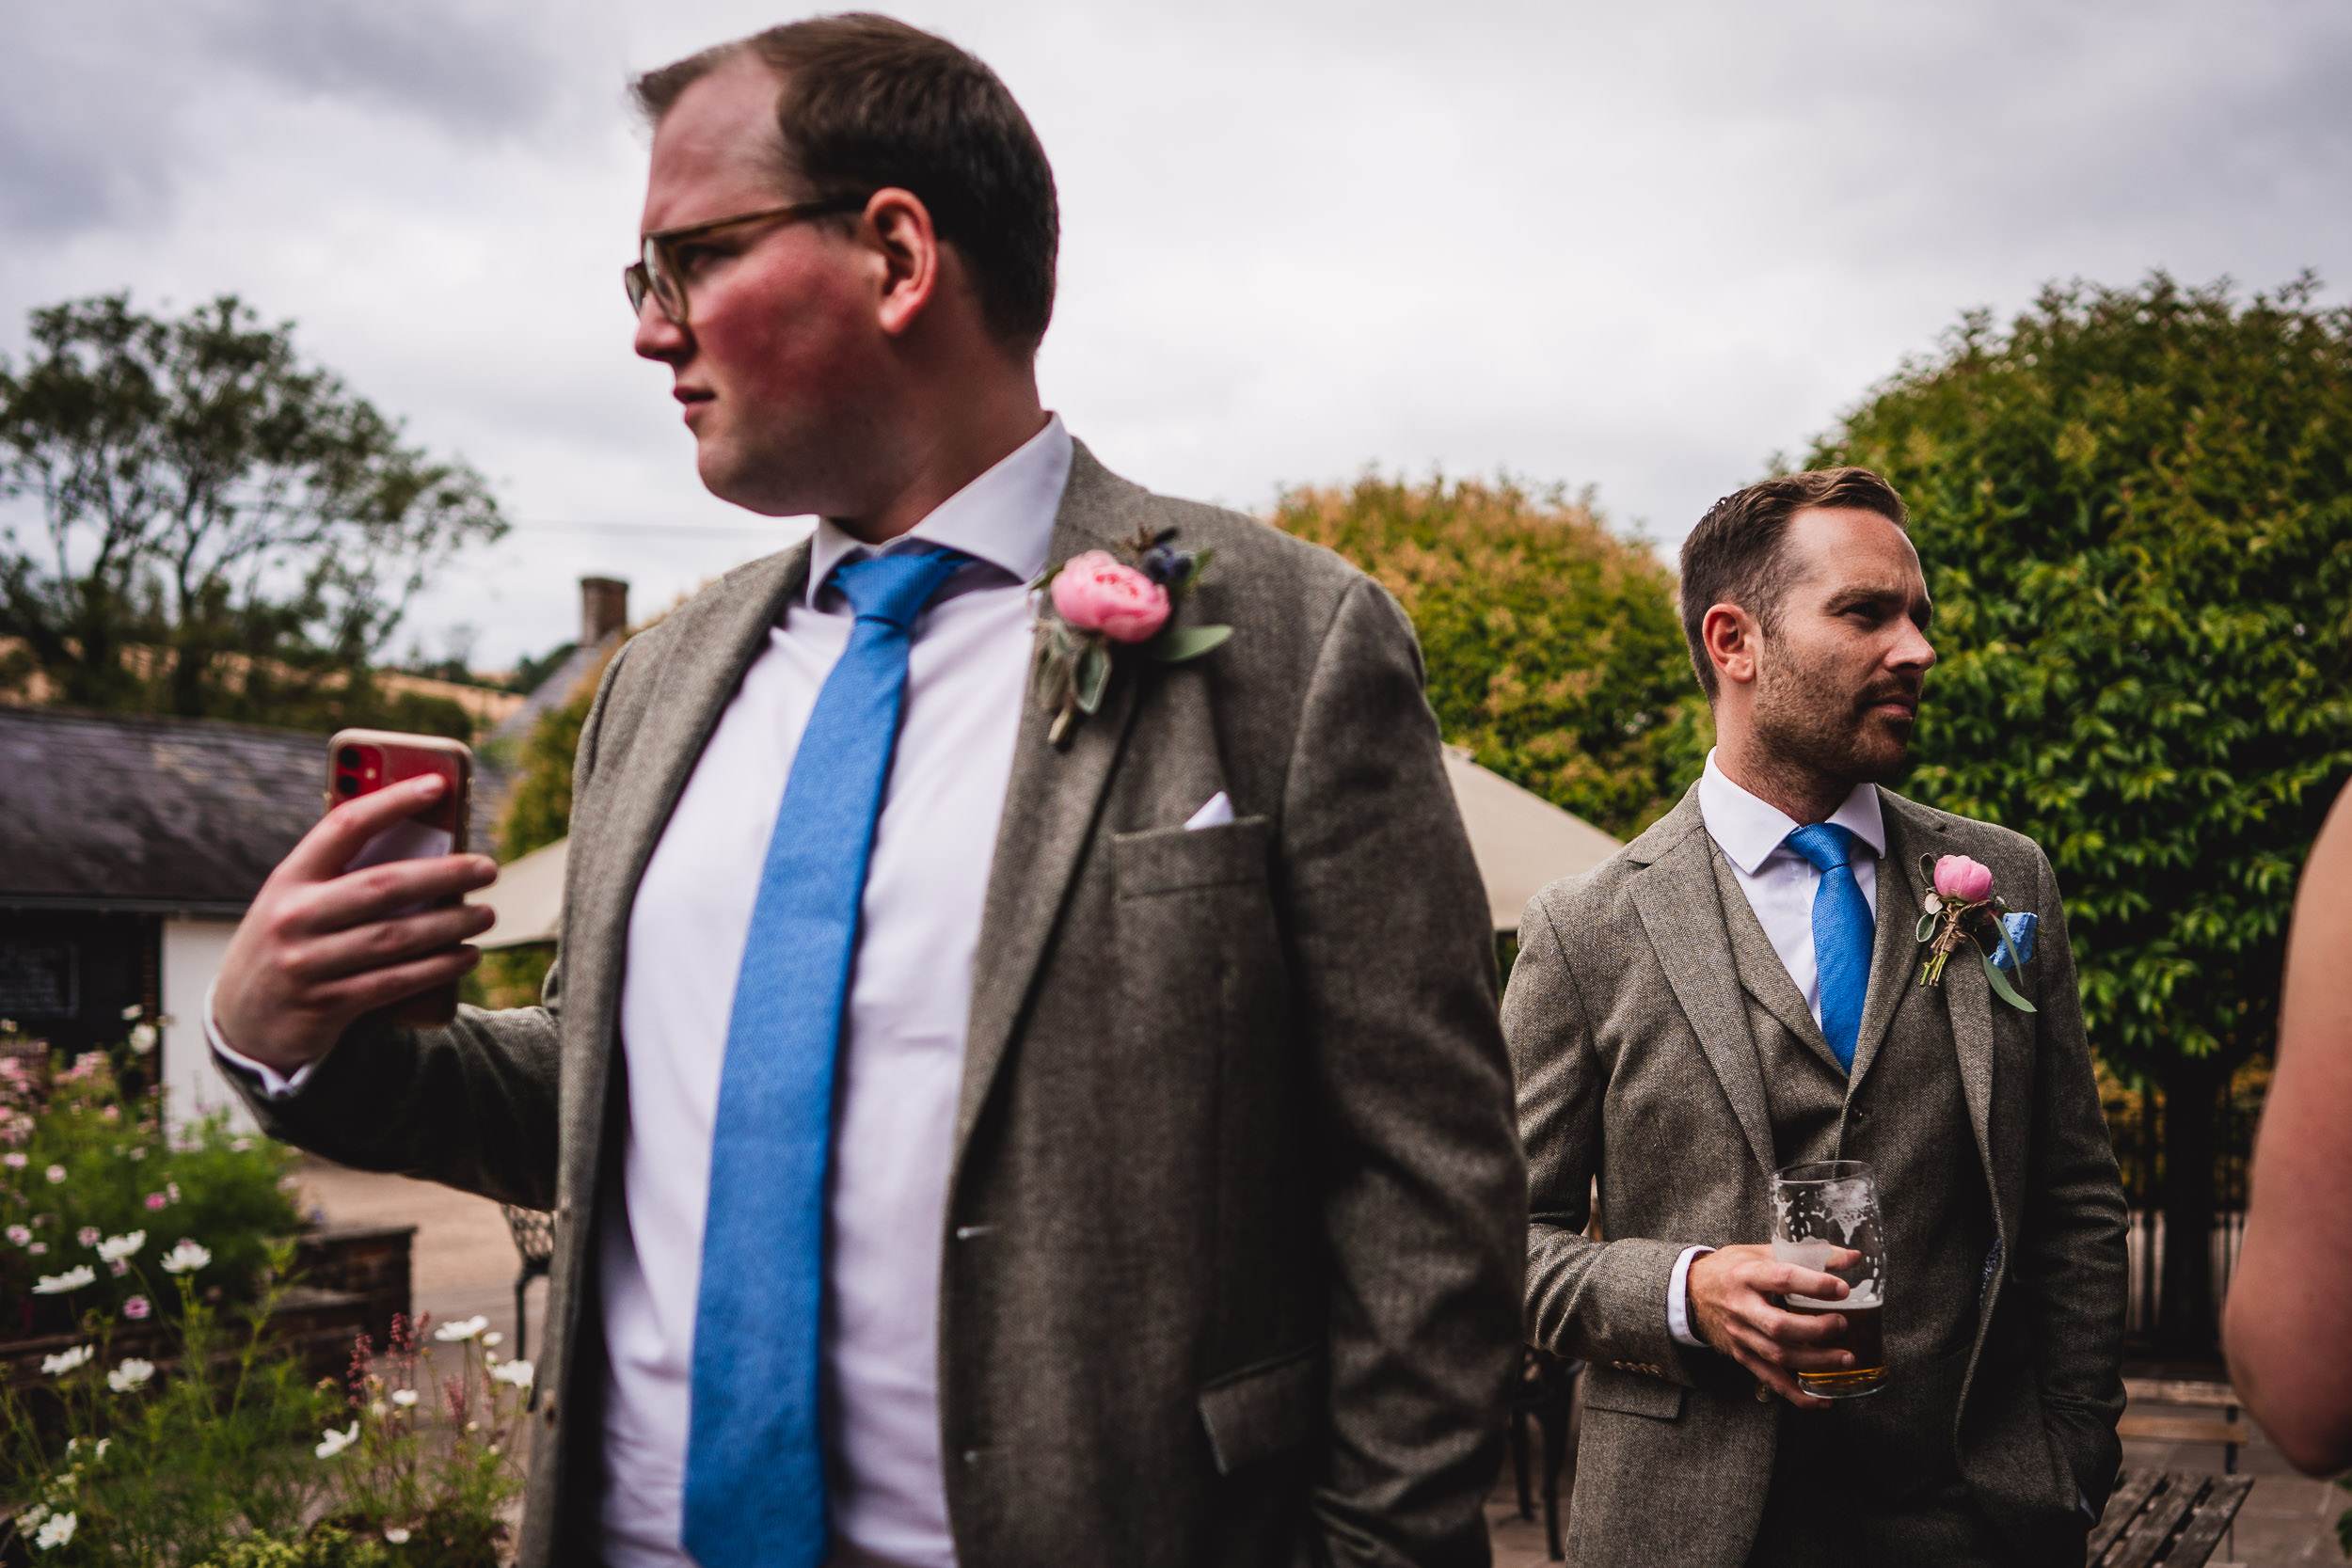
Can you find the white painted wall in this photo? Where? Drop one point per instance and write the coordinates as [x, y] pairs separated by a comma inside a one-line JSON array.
[[193, 949]]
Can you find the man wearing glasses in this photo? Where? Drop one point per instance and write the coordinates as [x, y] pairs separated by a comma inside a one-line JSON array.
[[985, 1126]]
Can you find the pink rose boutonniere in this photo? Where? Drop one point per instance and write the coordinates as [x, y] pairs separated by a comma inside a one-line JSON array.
[[1094, 603], [1962, 907]]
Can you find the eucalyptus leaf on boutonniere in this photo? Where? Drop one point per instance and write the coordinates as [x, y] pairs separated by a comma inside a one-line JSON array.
[[1092, 605], [1962, 907]]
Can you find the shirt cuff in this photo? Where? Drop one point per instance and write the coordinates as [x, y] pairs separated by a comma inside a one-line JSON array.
[[275, 1084], [1677, 1297]]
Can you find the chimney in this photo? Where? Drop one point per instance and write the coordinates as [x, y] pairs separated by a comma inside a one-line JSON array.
[[603, 610]]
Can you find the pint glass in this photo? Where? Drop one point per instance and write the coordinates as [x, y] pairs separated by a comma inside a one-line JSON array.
[[1817, 1210]]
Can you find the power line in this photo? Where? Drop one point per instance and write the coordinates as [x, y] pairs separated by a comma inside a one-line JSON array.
[[717, 531]]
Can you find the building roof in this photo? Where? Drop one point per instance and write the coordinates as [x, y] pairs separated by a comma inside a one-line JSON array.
[[129, 811]]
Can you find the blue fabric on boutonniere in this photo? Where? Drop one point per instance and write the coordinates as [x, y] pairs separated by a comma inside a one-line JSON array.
[[2021, 935]]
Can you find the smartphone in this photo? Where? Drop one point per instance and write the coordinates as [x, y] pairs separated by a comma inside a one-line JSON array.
[[360, 762]]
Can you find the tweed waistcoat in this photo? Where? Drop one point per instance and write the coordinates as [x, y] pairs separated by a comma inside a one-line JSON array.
[[1902, 1111]]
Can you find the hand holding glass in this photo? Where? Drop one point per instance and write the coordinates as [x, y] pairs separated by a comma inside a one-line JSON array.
[[1821, 1210]]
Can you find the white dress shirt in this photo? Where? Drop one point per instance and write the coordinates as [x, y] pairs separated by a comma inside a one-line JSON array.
[[902, 1064], [1780, 883]]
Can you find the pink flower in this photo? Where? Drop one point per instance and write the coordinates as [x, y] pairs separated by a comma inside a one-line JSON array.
[[1095, 592], [14, 1160], [1959, 878], [137, 1306], [55, 1173], [89, 1236], [156, 1200]]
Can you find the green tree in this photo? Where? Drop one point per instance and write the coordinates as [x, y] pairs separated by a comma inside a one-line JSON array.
[[203, 525], [2135, 507], [1554, 655]]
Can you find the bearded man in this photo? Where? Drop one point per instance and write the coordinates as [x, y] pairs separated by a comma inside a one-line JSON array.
[[1738, 991]]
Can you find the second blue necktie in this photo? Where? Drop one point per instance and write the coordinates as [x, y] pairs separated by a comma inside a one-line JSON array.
[[1842, 932], [754, 1456]]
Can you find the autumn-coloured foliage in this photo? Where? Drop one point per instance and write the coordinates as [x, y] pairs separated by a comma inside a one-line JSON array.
[[1554, 651]]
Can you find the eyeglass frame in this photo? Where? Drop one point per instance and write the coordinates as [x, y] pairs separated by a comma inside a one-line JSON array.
[[644, 276]]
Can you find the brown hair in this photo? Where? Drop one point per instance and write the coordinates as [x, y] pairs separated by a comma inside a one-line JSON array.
[[1737, 555], [868, 102]]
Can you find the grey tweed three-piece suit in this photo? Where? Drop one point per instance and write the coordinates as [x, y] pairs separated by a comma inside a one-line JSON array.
[[1662, 1050], [1235, 1224]]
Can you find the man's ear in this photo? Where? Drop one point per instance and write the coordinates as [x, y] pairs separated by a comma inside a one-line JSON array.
[[898, 226], [1732, 639]]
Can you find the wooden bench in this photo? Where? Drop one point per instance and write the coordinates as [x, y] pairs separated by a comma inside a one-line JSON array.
[[2167, 1517], [2230, 1431]]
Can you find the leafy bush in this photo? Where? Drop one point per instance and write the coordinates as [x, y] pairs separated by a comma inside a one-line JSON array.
[[130, 1459], [226, 1458], [90, 1182], [1552, 648]]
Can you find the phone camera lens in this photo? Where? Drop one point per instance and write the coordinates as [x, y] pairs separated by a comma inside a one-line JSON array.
[[348, 757], [346, 785]]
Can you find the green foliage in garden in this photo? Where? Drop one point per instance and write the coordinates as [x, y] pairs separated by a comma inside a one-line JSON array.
[[319, 1548], [2135, 509], [167, 1455], [86, 1165], [1554, 653]]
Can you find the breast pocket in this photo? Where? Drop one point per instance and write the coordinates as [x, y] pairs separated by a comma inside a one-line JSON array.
[[1194, 921], [1162, 861]]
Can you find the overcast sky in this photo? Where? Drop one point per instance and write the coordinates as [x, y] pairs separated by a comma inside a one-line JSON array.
[[1638, 247]]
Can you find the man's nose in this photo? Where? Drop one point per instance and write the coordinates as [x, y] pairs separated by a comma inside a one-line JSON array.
[[1912, 650], [659, 337]]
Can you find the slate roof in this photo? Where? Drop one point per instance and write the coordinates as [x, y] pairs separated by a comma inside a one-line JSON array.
[[123, 812]]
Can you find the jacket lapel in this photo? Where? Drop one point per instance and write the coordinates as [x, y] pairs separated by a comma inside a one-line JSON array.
[[1683, 915], [1051, 804], [1762, 974], [686, 706], [1895, 951]]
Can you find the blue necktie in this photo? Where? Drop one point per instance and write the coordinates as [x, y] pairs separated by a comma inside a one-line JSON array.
[[754, 1455], [1842, 933]]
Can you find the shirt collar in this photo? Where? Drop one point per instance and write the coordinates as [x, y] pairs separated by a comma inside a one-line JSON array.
[[1750, 830], [1004, 517]]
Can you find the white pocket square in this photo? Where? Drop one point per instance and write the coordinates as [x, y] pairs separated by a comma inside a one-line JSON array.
[[1216, 813]]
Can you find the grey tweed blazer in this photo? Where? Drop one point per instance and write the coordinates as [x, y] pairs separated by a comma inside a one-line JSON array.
[[1233, 1242], [1634, 1018]]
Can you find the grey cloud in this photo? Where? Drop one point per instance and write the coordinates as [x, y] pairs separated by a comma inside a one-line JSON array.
[[112, 97], [467, 67]]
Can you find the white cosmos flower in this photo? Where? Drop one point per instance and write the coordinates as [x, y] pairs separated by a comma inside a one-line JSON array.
[[65, 1361], [404, 1397], [55, 1532], [133, 1373], [396, 1535], [493, 1340], [332, 1442], [143, 1038], [72, 1279], [464, 1328], [114, 1249], [516, 1372], [187, 1258]]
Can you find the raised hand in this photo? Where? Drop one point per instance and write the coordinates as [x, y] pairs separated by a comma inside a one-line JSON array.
[[1732, 1309], [320, 946]]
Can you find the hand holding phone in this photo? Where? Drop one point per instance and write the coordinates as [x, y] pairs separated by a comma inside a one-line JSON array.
[[355, 921]]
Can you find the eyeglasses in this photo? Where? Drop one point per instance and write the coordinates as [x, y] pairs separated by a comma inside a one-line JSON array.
[[656, 270]]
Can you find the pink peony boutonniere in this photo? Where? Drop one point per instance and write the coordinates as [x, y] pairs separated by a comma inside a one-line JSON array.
[[1963, 908], [1095, 603]]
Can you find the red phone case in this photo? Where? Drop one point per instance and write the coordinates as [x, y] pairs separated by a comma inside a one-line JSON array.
[[360, 762]]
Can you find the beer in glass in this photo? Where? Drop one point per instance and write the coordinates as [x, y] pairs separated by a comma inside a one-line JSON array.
[[1820, 1210]]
